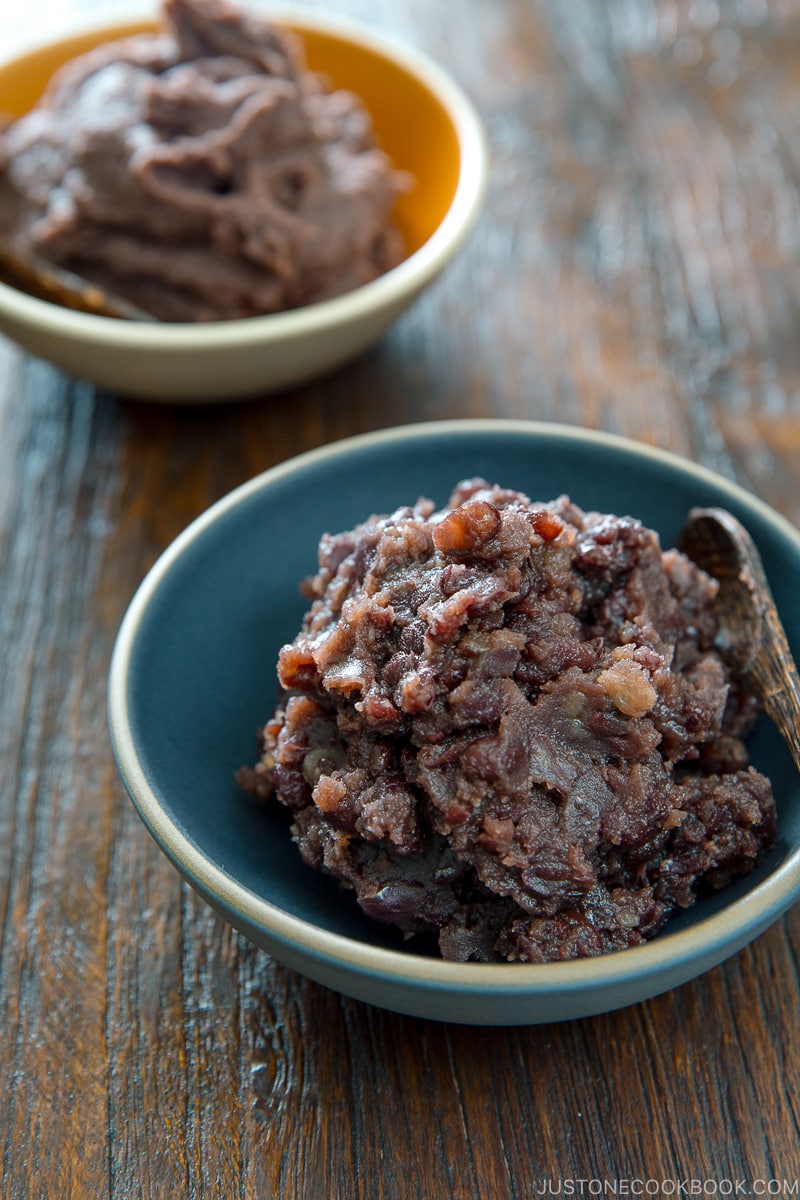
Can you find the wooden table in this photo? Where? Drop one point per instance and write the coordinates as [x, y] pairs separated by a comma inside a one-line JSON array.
[[636, 270]]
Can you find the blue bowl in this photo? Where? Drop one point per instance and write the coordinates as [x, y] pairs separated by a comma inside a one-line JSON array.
[[193, 677]]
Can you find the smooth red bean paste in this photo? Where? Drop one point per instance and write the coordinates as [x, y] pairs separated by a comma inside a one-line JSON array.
[[203, 173], [506, 722]]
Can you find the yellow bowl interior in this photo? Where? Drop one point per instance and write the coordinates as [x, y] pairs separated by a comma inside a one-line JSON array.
[[410, 123]]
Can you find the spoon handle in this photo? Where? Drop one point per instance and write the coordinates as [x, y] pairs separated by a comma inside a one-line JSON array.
[[45, 281], [751, 636], [774, 677]]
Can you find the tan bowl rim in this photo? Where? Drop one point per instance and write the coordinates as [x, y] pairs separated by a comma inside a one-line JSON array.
[[411, 275]]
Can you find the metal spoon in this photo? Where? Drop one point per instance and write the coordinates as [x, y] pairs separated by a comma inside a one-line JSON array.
[[29, 273], [751, 639]]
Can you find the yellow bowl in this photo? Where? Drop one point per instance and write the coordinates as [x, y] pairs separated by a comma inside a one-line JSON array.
[[424, 122]]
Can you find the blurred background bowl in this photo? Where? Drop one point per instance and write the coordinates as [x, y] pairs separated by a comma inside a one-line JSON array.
[[423, 121], [194, 675]]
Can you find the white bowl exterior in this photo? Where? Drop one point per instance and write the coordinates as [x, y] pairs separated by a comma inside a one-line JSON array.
[[207, 371]]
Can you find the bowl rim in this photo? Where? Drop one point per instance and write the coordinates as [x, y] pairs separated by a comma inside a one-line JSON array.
[[410, 275], [729, 927]]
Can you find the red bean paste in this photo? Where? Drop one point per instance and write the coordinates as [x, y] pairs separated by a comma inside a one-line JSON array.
[[203, 173], [506, 723]]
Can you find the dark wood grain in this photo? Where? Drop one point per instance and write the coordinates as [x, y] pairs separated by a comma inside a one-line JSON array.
[[636, 269]]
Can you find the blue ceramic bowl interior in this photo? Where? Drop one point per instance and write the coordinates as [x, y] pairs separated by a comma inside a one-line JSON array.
[[201, 676]]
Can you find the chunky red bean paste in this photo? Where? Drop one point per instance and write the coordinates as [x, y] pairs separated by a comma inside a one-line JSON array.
[[506, 723], [203, 173]]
